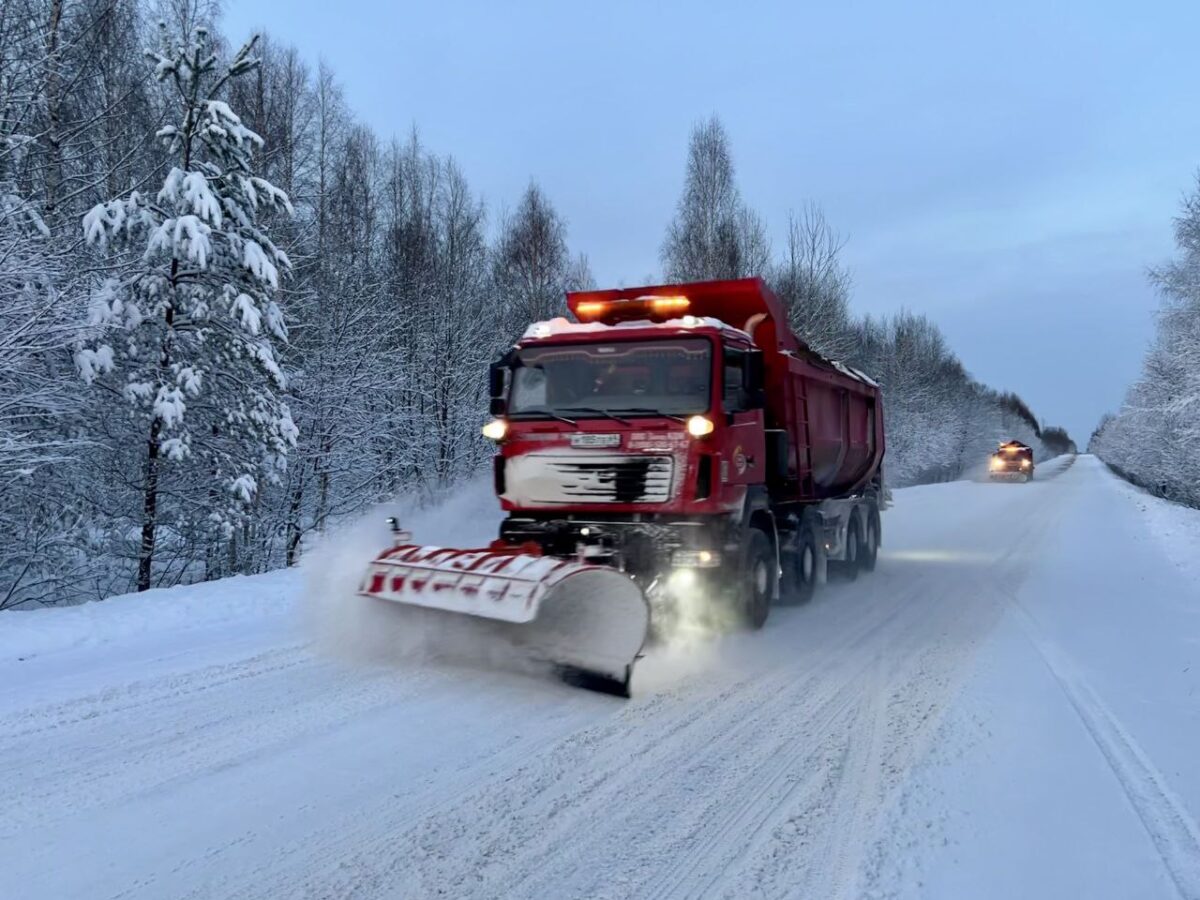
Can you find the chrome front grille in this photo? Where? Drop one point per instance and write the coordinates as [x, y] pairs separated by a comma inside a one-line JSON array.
[[603, 479]]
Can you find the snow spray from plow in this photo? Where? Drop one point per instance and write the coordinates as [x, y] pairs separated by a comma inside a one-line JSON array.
[[584, 618]]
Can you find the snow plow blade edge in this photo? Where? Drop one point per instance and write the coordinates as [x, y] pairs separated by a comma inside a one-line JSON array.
[[571, 614]]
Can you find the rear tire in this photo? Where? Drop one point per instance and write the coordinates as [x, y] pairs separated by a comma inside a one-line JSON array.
[[756, 580], [801, 568], [871, 535], [847, 567]]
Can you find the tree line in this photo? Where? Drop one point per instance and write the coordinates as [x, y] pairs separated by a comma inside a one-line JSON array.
[[941, 422], [1152, 439], [231, 314]]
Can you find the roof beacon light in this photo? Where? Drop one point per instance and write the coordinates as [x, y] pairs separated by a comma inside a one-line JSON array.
[[592, 309], [669, 304]]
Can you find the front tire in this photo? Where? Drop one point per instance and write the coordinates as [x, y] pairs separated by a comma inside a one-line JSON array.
[[757, 579]]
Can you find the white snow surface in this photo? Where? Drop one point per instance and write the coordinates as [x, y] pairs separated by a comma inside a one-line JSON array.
[[1008, 707]]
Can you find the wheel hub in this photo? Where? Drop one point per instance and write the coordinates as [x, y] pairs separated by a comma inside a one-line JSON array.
[[761, 578]]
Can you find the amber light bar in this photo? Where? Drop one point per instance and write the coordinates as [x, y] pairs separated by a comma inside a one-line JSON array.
[[595, 309], [590, 310], [669, 304]]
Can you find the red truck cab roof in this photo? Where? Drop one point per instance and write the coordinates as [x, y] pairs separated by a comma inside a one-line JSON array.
[[741, 304]]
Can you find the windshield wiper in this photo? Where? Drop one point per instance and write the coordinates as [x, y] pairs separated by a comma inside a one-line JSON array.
[[647, 411], [544, 412], [595, 409]]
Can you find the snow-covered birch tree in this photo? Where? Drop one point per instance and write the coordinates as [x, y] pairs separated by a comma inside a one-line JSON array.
[[532, 267], [714, 234], [187, 339]]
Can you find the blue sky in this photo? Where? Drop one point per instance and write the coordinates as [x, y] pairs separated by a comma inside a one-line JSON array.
[[1008, 169]]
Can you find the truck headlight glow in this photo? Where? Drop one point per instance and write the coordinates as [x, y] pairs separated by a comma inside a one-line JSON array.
[[997, 463], [495, 430], [699, 426]]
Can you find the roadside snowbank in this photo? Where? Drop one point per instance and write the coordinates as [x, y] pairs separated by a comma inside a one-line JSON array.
[[1174, 527], [467, 516], [245, 599]]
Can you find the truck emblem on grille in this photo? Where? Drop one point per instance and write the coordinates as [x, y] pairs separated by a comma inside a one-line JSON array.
[[589, 439]]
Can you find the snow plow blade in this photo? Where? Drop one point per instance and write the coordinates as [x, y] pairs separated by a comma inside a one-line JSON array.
[[582, 617]]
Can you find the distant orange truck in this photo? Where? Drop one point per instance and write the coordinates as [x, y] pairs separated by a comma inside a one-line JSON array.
[[1013, 461]]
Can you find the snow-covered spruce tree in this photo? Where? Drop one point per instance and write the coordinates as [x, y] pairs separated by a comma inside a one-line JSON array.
[[186, 338]]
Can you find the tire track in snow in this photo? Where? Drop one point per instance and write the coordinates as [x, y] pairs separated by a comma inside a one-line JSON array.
[[151, 692], [812, 845], [818, 848], [843, 753], [1171, 829], [567, 783], [718, 744], [239, 710]]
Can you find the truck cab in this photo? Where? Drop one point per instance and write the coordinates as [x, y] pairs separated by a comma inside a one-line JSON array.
[[643, 418]]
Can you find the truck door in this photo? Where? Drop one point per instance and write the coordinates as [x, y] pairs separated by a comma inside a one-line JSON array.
[[743, 452]]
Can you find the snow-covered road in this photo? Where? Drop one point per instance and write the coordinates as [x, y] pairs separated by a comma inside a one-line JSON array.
[[1009, 706]]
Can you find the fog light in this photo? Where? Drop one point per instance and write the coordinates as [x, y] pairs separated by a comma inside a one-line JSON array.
[[682, 579], [696, 559]]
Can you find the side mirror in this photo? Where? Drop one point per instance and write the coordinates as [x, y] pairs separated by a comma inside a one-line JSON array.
[[755, 377], [496, 383]]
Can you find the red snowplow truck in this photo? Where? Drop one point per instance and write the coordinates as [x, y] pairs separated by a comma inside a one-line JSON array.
[[674, 456]]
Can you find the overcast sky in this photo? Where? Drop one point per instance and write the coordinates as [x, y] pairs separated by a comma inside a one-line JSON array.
[[1009, 169]]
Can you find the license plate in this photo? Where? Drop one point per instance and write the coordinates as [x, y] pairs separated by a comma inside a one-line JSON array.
[[595, 440]]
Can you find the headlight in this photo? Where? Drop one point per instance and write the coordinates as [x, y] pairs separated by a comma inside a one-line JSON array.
[[699, 426], [1024, 464], [695, 559], [997, 462], [495, 430]]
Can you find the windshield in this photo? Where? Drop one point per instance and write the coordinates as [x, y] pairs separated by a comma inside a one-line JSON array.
[[580, 380]]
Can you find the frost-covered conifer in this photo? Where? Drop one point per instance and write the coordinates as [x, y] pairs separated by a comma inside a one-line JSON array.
[[187, 337]]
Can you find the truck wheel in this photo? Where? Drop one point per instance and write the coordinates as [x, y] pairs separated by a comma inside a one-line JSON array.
[[800, 568], [870, 545], [756, 579], [847, 567]]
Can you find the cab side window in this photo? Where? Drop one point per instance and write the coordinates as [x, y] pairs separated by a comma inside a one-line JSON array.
[[735, 398]]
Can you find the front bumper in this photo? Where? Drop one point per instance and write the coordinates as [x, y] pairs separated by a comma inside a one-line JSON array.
[[1011, 474]]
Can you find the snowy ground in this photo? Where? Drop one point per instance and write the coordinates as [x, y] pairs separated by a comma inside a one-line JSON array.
[[1009, 707]]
